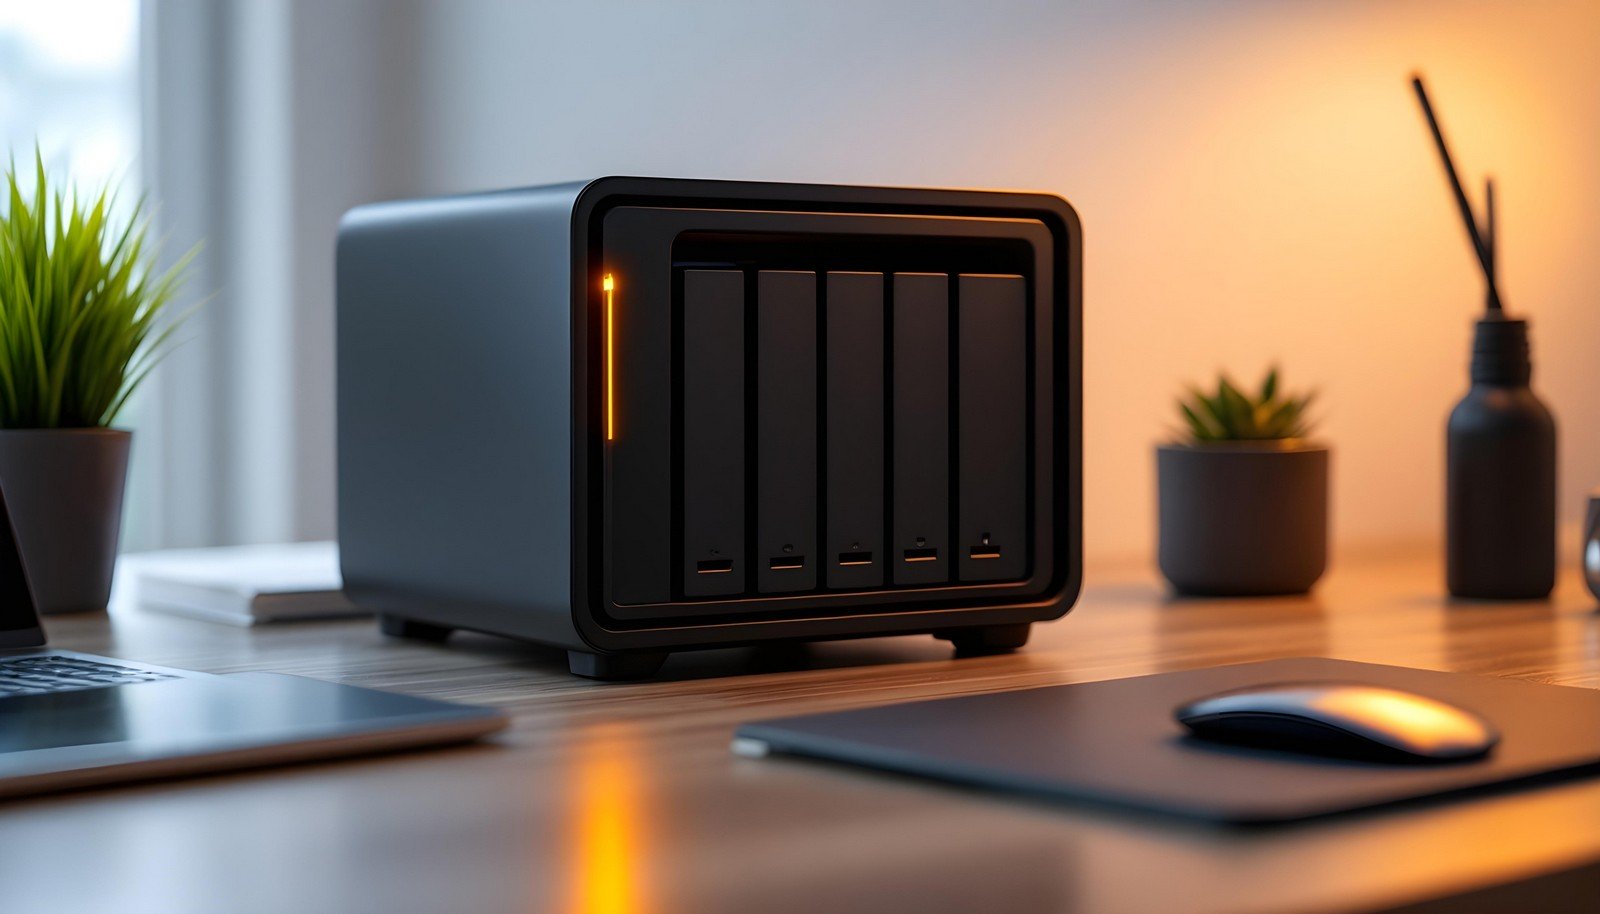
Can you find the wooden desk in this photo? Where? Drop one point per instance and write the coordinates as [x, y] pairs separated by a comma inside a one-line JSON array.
[[609, 798]]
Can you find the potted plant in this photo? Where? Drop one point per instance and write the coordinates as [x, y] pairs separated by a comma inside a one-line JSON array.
[[1243, 494], [80, 302]]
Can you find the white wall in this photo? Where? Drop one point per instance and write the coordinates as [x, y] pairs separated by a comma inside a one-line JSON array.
[[1254, 178]]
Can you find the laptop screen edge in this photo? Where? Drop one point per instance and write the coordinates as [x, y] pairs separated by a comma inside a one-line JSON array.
[[19, 614]]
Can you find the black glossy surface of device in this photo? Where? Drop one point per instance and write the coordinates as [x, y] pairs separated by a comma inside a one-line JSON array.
[[639, 415]]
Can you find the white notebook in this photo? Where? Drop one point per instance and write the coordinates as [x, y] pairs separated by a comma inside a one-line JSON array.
[[241, 585]]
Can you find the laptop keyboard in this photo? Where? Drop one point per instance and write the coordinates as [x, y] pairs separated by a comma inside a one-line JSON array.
[[44, 674]]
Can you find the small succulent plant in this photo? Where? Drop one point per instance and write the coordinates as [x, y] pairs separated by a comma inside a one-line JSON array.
[[1229, 415]]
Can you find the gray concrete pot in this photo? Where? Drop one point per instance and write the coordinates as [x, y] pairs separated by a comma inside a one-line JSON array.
[[1243, 518], [64, 491]]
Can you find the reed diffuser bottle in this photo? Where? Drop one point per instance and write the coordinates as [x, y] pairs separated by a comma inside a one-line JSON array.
[[1500, 498], [1501, 493]]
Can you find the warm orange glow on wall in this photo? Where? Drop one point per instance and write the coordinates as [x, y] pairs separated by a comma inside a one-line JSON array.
[[609, 285]]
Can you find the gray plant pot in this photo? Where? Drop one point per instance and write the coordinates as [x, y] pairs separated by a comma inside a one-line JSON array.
[[64, 491], [1243, 518]]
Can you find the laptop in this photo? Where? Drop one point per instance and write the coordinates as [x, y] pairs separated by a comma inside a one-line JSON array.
[[70, 720]]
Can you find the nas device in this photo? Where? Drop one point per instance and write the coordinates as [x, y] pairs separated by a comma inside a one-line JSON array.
[[636, 416]]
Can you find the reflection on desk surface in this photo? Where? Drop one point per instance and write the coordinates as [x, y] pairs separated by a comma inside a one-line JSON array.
[[636, 781]]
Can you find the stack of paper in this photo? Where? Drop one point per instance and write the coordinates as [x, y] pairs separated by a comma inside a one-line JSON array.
[[241, 585]]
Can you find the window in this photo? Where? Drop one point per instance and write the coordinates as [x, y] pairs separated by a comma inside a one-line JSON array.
[[69, 80]]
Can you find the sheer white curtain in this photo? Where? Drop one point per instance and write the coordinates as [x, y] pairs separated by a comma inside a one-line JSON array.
[[263, 121]]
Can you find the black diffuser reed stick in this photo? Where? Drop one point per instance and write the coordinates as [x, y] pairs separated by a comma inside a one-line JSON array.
[[1489, 239], [1485, 251]]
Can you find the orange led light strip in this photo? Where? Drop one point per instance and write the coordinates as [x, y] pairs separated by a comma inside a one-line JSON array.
[[608, 285]]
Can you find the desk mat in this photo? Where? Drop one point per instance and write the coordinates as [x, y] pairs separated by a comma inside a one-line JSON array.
[[1115, 742]]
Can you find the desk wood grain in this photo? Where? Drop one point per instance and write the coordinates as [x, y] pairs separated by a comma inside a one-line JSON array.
[[624, 797]]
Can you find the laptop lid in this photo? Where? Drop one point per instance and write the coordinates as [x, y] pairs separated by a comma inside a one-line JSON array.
[[19, 617]]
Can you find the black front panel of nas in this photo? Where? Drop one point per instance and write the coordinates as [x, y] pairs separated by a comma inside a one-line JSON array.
[[822, 414]]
